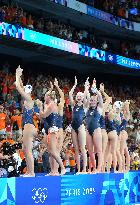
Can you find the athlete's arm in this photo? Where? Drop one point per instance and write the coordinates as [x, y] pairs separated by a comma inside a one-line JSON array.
[[62, 100], [18, 85], [100, 99], [127, 110], [86, 93], [71, 92]]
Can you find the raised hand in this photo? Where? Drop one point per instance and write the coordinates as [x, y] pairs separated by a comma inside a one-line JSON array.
[[56, 82], [127, 102], [75, 81], [94, 83], [87, 84], [19, 71], [51, 85], [102, 87]]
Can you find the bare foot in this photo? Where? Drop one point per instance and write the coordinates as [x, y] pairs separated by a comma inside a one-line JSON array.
[[63, 171], [56, 174], [29, 175], [50, 174], [83, 172], [78, 173]]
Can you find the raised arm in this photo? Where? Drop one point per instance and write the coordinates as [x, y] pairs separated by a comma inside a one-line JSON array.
[[102, 90], [62, 100], [127, 110], [71, 92], [86, 93], [19, 86], [108, 99], [99, 95], [100, 99]]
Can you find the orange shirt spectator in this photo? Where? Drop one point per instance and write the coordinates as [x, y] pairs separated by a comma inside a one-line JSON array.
[[35, 120], [21, 153], [121, 12], [2, 121], [18, 119], [8, 139], [72, 161]]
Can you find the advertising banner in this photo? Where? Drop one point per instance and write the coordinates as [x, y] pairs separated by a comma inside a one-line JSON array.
[[98, 189], [39, 190], [22, 33], [76, 5]]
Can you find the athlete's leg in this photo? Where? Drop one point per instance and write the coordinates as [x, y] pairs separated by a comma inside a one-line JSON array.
[[82, 145], [113, 147], [89, 143], [104, 146], [97, 141], [76, 147]]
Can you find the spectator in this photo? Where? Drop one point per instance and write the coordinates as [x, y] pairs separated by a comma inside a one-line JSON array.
[[16, 120], [135, 163], [3, 118]]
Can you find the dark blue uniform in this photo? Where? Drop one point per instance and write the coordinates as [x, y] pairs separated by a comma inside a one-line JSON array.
[[92, 120], [60, 121], [117, 127], [110, 125], [78, 116], [123, 125], [102, 123], [27, 117], [52, 120]]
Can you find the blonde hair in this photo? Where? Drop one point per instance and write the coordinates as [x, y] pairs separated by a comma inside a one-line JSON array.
[[51, 94]]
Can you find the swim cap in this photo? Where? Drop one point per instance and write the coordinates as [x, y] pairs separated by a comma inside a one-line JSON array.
[[28, 88]]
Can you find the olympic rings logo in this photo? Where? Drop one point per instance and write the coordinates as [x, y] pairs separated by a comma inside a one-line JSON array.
[[39, 195]]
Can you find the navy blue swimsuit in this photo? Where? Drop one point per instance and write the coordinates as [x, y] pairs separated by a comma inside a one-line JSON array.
[[92, 120], [27, 117], [123, 125], [60, 121], [52, 120], [78, 116], [102, 123], [110, 125], [117, 127]]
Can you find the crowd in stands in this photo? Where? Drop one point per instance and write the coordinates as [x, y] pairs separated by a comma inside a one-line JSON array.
[[17, 15], [128, 9], [11, 115]]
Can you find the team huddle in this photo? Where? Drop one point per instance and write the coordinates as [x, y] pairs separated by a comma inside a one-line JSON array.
[[98, 126]]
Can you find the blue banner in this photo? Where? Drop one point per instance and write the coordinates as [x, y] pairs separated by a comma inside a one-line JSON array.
[[40, 190], [22, 33], [110, 18], [110, 58], [91, 52], [96, 189], [128, 62]]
